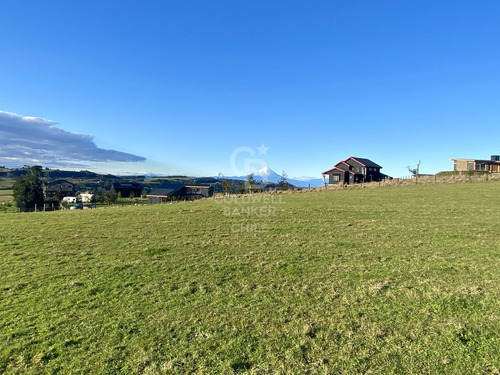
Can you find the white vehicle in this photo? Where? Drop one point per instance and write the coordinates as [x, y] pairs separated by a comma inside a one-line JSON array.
[[86, 197]]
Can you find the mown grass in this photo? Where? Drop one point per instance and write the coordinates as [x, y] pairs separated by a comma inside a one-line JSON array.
[[388, 280]]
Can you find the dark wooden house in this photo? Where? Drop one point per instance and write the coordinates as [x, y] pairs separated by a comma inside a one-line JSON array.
[[60, 189], [127, 189], [170, 192], [354, 170]]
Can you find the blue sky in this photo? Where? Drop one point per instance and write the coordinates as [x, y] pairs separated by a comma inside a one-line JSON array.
[[178, 87]]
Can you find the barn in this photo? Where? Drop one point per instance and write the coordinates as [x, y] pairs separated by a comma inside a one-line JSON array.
[[173, 191]]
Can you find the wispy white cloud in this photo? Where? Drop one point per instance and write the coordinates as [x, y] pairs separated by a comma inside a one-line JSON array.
[[35, 140]]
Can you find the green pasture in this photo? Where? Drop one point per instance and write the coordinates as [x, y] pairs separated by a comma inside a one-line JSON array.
[[392, 280], [6, 196]]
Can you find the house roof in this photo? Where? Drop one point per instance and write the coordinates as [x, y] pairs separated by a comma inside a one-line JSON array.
[[488, 161], [124, 185], [56, 182], [171, 189], [478, 160], [365, 162], [342, 162], [163, 192], [167, 190], [334, 168], [338, 169]]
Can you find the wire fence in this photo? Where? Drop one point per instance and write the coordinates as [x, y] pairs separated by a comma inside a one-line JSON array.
[[400, 181], [422, 180]]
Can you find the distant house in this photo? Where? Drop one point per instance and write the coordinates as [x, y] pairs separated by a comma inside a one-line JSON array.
[[354, 170], [126, 189], [60, 189], [170, 192], [463, 165]]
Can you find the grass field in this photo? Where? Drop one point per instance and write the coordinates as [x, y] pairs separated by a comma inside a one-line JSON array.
[[386, 280], [6, 196]]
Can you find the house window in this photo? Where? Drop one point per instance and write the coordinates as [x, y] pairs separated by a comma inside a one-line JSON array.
[[470, 166], [335, 178]]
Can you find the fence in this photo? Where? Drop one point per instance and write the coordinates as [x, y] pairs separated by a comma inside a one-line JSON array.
[[401, 181], [423, 180]]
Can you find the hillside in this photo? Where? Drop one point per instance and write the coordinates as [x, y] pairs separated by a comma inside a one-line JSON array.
[[386, 280], [98, 183]]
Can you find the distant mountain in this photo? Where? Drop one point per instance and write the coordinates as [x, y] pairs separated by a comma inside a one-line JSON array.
[[305, 182], [266, 174]]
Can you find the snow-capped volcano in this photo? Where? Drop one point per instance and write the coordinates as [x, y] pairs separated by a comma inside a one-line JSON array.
[[266, 174]]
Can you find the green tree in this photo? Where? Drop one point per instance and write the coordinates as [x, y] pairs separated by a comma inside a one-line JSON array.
[[28, 190], [250, 182], [109, 197], [226, 186], [283, 184], [114, 196]]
